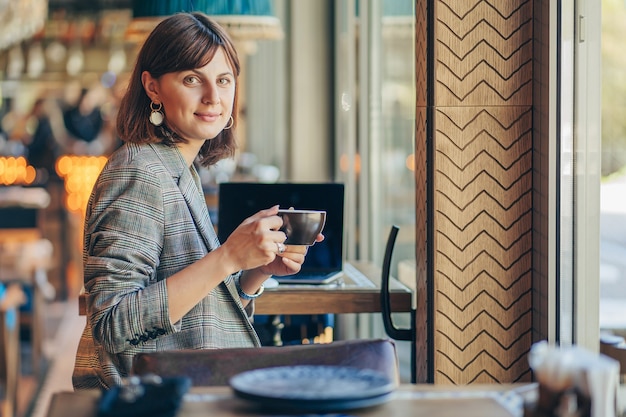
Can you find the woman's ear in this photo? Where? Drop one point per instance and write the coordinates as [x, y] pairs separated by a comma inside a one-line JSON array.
[[150, 86]]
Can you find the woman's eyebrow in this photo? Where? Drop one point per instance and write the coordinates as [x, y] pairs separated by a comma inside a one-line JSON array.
[[204, 75], [230, 73]]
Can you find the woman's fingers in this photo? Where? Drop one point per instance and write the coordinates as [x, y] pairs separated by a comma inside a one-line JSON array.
[[281, 248], [257, 240], [294, 253], [264, 214]]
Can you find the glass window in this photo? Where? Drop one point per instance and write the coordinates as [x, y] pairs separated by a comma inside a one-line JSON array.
[[375, 122], [612, 207]]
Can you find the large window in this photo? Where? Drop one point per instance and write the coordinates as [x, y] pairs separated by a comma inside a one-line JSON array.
[[375, 128], [375, 121], [372, 83], [612, 207]]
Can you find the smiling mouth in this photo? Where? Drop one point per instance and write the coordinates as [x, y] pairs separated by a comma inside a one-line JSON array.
[[208, 117]]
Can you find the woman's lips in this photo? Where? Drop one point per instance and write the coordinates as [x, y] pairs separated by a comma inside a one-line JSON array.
[[208, 117]]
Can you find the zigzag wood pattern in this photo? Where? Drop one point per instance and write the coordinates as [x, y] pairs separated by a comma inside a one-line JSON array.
[[477, 283], [482, 288], [476, 225], [484, 263], [481, 368], [454, 332], [483, 52], [473, 349]]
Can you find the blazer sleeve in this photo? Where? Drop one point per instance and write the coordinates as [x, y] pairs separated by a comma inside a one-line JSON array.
[[123, 240]]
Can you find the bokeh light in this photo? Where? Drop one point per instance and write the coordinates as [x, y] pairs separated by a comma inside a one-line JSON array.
[[16, 171], [79, 174]]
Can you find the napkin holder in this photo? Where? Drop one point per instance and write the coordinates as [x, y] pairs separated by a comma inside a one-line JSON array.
[[573, 382], [550, 403]]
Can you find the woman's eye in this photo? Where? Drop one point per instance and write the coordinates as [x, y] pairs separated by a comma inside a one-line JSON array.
[[191, 79], [223, 81]]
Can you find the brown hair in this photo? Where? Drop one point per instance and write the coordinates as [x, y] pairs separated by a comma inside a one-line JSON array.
[[181, 42]]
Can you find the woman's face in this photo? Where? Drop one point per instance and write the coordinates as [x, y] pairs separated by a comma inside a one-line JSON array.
[[197, 103]]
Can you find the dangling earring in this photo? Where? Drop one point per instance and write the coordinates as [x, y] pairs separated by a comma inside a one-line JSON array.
[[156, 116], [232, 122]]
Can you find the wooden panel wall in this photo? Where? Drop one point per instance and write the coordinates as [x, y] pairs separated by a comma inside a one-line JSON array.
[[474, 124], [422, 207]]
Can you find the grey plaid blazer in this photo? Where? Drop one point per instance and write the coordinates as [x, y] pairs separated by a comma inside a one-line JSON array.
[[146, 220]]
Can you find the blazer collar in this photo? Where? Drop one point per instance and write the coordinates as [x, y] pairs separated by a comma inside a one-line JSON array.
[[189, 184]]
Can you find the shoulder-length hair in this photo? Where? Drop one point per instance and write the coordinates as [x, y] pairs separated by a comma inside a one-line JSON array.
[[180, 42]]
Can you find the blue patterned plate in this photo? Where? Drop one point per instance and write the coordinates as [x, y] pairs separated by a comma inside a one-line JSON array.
[[313, 388]]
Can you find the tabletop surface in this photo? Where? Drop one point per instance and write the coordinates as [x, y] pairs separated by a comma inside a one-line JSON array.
[[357, 291], [414, 400]]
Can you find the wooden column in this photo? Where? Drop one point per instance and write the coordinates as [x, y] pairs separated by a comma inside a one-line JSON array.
[[475, 189]]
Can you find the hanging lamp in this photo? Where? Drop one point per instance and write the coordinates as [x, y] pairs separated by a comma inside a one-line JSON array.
[[242, 19]]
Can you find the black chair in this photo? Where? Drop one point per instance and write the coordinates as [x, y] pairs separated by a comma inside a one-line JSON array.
[[391, 330]]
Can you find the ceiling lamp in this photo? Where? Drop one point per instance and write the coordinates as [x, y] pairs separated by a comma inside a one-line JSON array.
[[242, 19]]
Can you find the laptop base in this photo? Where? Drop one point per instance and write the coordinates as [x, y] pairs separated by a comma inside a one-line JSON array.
[[309, 278]]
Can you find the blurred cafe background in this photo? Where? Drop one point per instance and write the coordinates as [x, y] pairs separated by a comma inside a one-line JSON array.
[[307, 65]]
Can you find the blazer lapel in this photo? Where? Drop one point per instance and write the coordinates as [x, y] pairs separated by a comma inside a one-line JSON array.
[[191, 189]]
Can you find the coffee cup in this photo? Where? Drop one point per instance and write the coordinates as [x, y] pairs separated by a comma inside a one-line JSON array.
[[302, 226]]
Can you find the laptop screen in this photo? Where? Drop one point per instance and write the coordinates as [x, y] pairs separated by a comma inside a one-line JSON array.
[[239, 200]]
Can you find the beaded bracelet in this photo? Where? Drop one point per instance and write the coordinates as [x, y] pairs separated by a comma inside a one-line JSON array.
[[244, 295]]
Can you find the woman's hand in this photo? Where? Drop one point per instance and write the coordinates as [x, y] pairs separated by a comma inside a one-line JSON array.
[[290, 261], [256, 241], [257, 244], [286, 263]]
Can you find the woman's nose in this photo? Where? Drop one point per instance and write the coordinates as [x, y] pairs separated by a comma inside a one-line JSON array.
[[211, 94]]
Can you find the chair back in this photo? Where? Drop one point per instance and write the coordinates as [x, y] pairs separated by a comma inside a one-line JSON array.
[[213, 367]]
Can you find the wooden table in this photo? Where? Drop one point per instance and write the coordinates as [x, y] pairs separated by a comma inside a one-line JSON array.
[[407, 400], [358, 292]]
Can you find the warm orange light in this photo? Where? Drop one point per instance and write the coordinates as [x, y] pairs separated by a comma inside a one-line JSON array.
[[16, 171], [31, 173], [410, 162], [63, 165], [79, 174], [344, 163]]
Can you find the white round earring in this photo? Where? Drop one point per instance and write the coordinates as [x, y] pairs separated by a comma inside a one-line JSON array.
[[156, 115], [229, 125]]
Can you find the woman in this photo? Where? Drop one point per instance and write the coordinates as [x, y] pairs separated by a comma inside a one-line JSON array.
[[155, 273]]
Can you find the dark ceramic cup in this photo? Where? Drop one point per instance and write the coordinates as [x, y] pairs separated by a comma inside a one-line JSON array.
[[302, 226]]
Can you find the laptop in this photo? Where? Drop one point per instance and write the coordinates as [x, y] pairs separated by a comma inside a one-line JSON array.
[[324, 261]]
